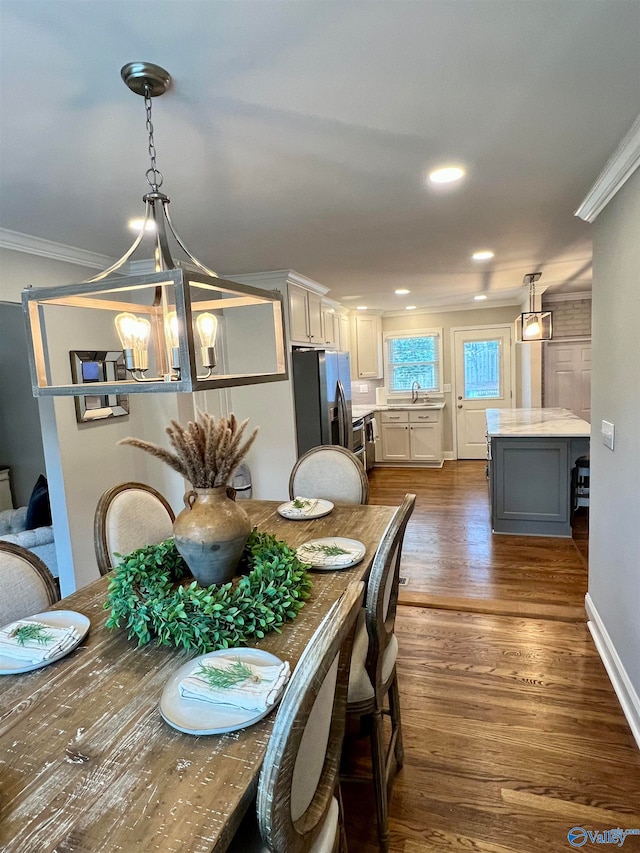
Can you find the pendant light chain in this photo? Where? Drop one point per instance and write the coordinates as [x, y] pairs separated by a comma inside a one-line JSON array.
[[153, 175]]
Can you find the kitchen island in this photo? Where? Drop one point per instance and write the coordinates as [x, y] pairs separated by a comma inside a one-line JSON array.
[[531, 454]]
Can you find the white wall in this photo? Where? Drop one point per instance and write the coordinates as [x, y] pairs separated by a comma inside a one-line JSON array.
[[614, 541]]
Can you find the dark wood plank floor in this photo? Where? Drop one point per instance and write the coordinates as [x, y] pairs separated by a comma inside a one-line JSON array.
[[451, 559], [513, 734]]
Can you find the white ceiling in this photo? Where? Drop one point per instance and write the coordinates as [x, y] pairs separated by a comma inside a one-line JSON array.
[[297, 134]]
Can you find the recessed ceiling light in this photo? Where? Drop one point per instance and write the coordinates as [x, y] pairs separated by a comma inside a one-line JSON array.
[[402, 291], [136, 224], [447, 175], [410, 307], [480, 297], [361, 307], [482, 255]]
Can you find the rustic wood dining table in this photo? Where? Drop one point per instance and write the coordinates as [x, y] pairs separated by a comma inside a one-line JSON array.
[[87, 763]]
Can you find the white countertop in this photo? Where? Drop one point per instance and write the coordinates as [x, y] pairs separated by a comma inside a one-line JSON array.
[[361, 411], [536, 422]]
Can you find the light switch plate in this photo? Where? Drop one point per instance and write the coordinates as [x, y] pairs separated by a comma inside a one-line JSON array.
[[608, 434], [446, 387]]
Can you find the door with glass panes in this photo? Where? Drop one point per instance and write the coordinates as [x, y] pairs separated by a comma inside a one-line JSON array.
[[482, 376]]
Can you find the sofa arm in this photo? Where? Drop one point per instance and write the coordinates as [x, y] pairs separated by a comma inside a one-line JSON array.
[[13, 520]]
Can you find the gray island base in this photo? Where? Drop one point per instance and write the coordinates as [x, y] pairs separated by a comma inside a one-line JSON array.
[[531, 454]]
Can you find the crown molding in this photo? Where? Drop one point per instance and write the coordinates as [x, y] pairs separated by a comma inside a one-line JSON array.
[[31, 245], [617, 171], [456, 306], [279, 277], [568, 297]]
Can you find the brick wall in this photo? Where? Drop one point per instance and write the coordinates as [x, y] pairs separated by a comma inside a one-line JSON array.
[[570, 319]]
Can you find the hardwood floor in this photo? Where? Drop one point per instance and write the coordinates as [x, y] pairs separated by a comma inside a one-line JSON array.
[[513, 734], [451, 559]]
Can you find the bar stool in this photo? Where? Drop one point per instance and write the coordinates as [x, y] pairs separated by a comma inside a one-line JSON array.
[[580, 482]]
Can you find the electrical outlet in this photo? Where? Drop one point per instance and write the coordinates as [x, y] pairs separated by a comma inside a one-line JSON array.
[[607, 429], [364, 388]]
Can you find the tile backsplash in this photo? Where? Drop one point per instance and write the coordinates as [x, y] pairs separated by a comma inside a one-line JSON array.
[[363, 391]]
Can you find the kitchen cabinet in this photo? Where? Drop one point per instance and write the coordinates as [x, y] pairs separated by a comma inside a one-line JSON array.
[[305, 316], [530, 458], [329, 323], [411, 436], [367, 358], [342, 330]]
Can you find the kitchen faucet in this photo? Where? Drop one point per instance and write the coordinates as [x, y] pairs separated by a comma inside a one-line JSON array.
[[415, 387]]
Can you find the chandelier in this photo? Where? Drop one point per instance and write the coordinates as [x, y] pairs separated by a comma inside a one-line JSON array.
[[533, 325], [156, 317]]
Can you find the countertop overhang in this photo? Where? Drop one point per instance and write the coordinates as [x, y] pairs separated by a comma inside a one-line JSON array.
[[536, 423]]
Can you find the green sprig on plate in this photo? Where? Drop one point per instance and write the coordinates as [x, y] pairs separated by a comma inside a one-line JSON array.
[[31, 633], [227, 677]]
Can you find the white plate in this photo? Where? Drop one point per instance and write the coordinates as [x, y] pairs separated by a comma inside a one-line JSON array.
[[325, 563], [57, 619], [195, 717], [321, 509]]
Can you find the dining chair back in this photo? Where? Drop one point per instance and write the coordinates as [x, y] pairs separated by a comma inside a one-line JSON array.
[[27, 584], [297, 807], [129, 516], [332, 473], [373, 669]]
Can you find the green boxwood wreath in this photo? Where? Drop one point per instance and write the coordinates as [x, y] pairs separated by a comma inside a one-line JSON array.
[[146, 594]]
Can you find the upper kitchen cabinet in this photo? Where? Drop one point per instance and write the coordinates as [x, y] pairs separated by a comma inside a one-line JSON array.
[[329, 324], [342, 331], [367, 357], [305, 316], [303, 300]]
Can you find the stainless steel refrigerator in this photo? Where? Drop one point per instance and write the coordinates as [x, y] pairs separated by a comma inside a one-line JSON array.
[[322, 398]]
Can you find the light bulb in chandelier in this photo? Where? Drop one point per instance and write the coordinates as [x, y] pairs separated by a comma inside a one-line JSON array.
[[207, 326], [134, 336], [171, 331]]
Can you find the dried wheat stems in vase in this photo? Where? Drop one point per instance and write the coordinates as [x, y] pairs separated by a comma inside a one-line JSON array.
[[206, 452]]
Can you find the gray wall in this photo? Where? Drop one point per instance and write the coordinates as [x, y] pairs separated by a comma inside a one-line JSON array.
[[614, 543], [20, 439]]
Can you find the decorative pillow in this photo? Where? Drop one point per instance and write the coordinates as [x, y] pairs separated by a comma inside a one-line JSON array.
[[39, 509]]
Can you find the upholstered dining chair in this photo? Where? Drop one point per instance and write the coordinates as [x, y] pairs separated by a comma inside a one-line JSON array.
[[299, 808], [27, 584], [127, 517], [330, 472], [373, 674]]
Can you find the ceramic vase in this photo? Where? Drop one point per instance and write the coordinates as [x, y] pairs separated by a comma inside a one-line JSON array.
[[210, 534]]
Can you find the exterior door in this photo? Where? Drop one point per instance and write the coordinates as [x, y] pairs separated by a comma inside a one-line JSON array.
[[482, 376], [567, 377]]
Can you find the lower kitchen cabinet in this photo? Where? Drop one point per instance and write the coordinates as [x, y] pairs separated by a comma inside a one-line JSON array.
[[411, 436]]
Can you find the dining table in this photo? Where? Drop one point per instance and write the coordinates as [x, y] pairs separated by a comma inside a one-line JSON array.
[[87, 762]]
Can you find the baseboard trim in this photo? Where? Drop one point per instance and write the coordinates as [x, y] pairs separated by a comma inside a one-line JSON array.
[[625, 691]]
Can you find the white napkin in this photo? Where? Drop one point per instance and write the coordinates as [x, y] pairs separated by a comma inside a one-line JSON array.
[[308, 506], [309, 554], [257, 692], [54, 641]]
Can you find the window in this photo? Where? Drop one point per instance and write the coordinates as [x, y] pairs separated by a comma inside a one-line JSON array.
[[413, 357], [482, 370]]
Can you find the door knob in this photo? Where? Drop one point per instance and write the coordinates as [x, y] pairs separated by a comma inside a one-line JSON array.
[[459, 405], [459, 398]]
